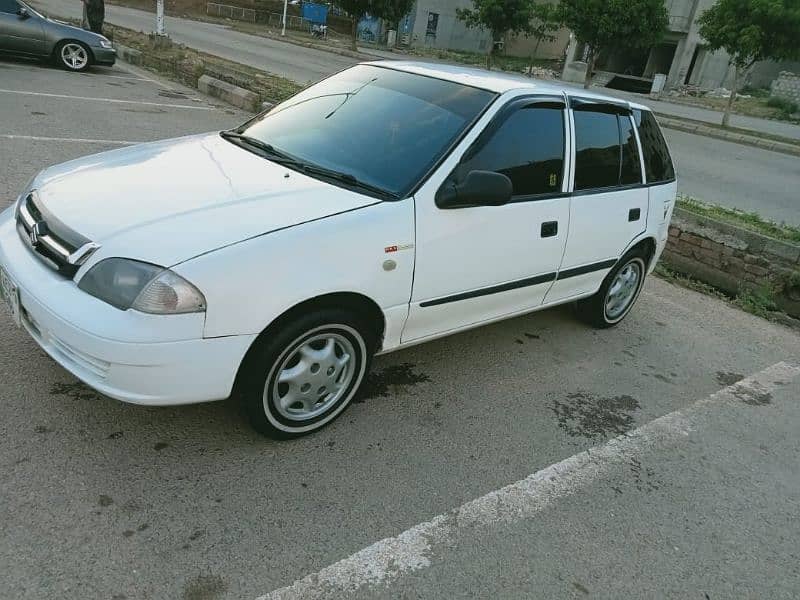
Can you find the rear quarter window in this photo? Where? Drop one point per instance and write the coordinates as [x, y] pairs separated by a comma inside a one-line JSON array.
[[657, 161]]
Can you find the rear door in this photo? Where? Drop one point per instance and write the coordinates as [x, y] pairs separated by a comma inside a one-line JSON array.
[[609, 202], [659, 172], [480, 263], [20, 34]]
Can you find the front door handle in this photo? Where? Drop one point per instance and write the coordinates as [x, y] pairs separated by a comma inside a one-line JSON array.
[[549, 228], [634, 214]]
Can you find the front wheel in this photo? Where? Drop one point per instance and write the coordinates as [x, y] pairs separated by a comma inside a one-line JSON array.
[[617, 295], [303, 375], [73, 56]]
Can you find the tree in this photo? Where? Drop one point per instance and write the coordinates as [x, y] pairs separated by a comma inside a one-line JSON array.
[[357, 9], [392, 11], [614, 24], [750, 31], [544, 21], [500, 17]]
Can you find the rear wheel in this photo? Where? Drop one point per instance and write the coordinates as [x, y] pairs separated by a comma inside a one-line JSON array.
[[303, 375], [619, 292], [73, 56]]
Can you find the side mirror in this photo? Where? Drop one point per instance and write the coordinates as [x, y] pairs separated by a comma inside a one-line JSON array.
[[22, 13], [480, 188]]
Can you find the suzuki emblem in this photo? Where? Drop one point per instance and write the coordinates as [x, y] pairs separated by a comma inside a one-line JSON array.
[[38, 230]]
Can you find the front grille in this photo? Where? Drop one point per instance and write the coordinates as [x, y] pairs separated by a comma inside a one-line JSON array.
[[59, 247]]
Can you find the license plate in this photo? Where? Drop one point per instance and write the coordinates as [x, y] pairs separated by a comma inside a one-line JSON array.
[[10, 294]]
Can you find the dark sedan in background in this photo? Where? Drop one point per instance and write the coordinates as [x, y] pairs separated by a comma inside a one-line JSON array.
[[26, 32]]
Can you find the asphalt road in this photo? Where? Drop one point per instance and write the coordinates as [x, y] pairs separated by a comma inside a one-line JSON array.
[[305, 64], [700, 500], [737, 176], [298, 63], [712, 170]]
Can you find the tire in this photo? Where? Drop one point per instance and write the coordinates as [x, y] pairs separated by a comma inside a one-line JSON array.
[[318, 381], [73, 56], [623, 283]]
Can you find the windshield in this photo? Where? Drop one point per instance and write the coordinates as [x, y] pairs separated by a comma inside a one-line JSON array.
[[386, 128], [30, 9]]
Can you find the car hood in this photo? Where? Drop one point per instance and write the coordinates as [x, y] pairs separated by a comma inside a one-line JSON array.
[[61, 28], [168, 201]]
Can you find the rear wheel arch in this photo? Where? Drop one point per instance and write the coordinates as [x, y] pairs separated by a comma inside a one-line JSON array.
[[647, 247]]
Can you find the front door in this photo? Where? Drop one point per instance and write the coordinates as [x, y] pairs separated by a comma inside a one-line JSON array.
[[20, 34], [481, 263], [609, 203]]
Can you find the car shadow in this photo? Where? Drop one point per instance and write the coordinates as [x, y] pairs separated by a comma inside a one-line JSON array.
[[9, 61]]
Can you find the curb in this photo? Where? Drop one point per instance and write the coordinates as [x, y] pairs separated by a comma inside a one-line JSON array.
[[128, 55], [232, 94], [729, 136]]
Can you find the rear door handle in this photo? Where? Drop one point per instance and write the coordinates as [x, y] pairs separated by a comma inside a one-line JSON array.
[[549, 228], [634, 214]]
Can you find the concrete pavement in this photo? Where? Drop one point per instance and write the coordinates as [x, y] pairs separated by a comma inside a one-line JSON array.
[[104, 500]]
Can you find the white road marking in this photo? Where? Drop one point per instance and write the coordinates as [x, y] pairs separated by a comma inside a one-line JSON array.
[[387, 560], [112, 100], [105, 75], [39, 138]]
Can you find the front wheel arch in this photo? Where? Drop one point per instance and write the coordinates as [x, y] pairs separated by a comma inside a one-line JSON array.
[[56, 53], [360, 304]]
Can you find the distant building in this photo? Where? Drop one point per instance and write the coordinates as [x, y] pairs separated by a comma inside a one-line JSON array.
[[681, 55], [433, 24]]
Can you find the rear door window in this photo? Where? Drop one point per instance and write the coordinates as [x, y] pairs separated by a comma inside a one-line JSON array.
[[606, 152], [528, 148], [597, 150], [657, 161]]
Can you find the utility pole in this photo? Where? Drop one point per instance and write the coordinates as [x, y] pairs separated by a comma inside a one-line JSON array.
[[160, 18], [283, 30]]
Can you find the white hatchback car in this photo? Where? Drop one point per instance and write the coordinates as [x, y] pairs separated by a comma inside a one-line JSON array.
[[387, 205]]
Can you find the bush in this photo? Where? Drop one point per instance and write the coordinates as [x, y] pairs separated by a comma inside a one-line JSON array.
[[755, 92], [782, 104]]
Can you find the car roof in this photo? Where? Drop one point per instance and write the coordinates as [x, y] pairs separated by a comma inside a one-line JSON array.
[[495, 81]]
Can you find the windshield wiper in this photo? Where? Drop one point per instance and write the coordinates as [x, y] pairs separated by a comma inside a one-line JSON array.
[[284, 159], [256, 143], [347, 179]]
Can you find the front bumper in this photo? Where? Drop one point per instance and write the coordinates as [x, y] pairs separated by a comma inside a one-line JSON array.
[[104, 56], [127, 355]]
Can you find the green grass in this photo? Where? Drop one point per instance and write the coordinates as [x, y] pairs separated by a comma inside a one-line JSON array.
[[760, 302], [756, 92], [782, 104], [682, 280], [170, 61], [747, 220]]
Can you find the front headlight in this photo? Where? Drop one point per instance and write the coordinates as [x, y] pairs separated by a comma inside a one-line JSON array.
[[126, 283], [104, 43]]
